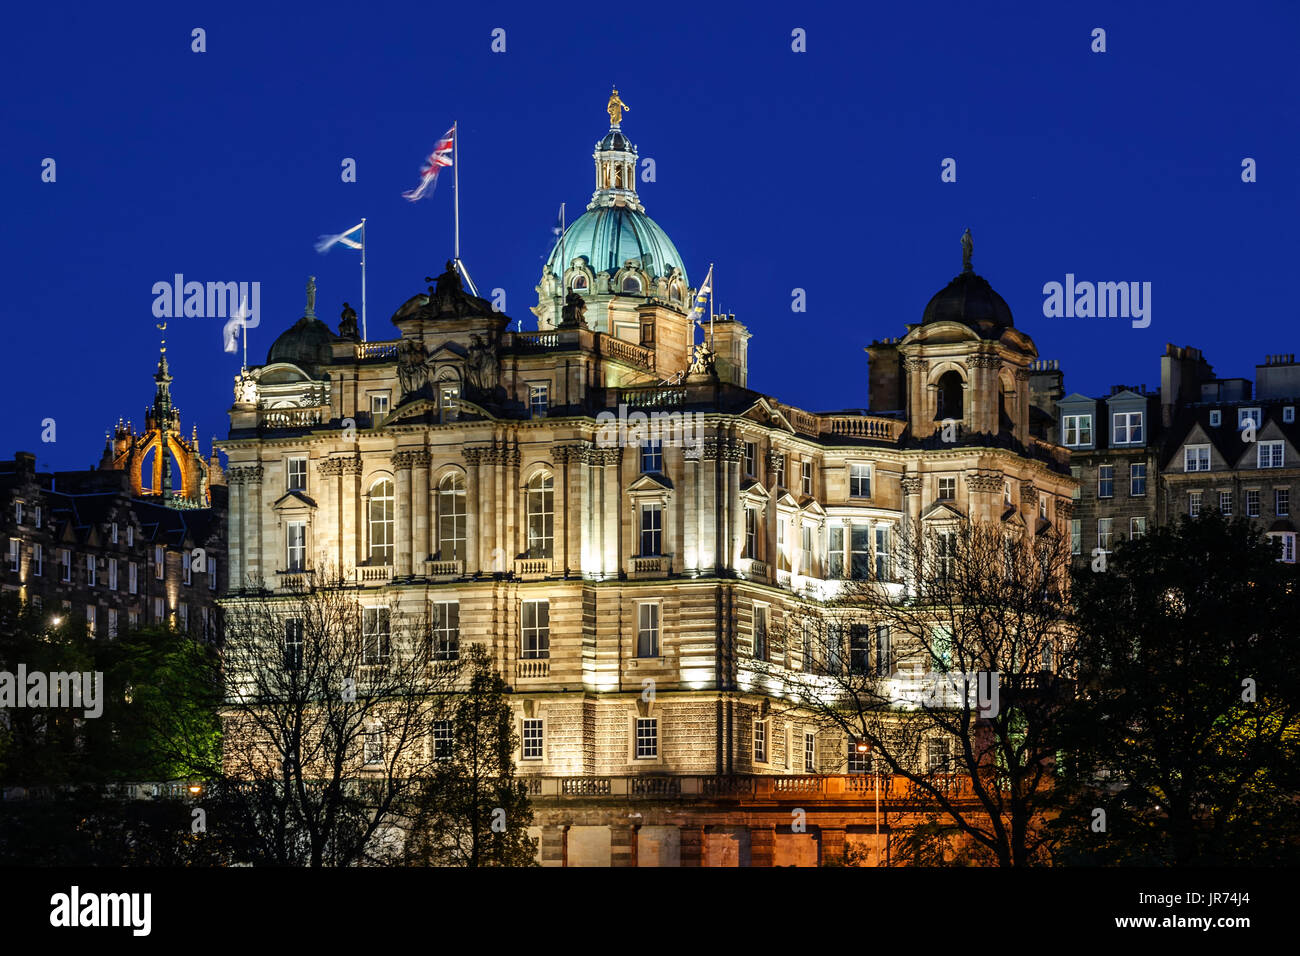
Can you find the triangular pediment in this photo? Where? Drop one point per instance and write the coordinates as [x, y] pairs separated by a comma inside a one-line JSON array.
[[766, 413], [293, 501], [1012, 518], [650, 483], [942, 511], [811, 507], [787, 500], [753, 488]]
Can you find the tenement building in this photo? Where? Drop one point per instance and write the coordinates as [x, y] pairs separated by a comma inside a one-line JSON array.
[[138, 541], [606, 502], [1143, 457]]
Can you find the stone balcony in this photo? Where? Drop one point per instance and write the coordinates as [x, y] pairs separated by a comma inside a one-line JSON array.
[[534, 668], [533, 569], [750, 789], [373, 574], [444, 570], [649, 566]]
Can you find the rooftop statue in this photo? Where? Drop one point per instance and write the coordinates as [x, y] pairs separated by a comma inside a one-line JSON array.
[[573, 315], [615, 108]]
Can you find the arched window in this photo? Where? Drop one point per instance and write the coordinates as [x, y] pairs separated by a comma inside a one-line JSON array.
[[631, 284], [950, 395], [381, 522], [579, 283], [451, 518], [541, 516], [1006, 405], [675, 292]]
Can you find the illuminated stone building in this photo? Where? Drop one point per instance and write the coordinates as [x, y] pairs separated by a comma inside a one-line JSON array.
[[484, 474], [121, 546]]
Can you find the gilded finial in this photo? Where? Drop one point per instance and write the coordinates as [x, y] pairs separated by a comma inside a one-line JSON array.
[[615, 108], [967, 247], [162, 347]]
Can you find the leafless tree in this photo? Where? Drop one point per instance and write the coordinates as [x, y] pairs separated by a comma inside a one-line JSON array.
[[327, 719], [944, 674]]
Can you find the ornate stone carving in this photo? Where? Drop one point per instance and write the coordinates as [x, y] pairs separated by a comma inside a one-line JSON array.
[[473, 456], [414, 458], [352, 466], [984, 360], [1028, 493], [330, 466], [481, 366], [984, 482], [1022, 374], [911, 485], [915, 365], [247, 474], [1064, 508]]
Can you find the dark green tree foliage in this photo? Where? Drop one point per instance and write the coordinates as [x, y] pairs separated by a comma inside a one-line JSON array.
[[1175, 637], [473, 810]]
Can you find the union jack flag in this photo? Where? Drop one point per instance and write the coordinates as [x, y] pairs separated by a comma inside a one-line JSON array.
[[440, 157]]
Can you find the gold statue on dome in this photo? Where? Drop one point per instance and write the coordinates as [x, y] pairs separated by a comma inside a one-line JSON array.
[[615, 108]]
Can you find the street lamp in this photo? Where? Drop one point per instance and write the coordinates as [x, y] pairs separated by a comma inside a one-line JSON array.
[[864, 748]]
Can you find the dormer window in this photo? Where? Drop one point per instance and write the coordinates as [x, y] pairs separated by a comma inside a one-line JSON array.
[[1128, 428], [1248, 414], [632, 285], [1216, 418], [1077, 429], [579, 283]]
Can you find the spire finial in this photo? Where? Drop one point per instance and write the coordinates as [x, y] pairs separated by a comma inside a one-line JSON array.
[[615, 109], [311, 298], [967, 247]]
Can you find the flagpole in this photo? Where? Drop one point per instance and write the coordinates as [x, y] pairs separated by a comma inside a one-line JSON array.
[[711, 282], [363, 279], [563, 291], [455, 183]]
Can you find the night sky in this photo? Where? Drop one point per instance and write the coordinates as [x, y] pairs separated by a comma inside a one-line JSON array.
[[817, 170]]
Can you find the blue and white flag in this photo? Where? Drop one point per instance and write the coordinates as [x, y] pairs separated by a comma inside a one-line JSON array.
[[702, 296], [352, 239]]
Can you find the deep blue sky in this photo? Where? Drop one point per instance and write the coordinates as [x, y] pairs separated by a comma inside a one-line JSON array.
[[817, 170]]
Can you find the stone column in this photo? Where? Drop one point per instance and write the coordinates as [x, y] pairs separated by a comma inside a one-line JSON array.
[[553, 845], [912, 492], [235, 532], [350, 510], [736, 518], [622, 845], [473, 510], [692, 846], [762, 845], [420, 495], [612, 512], [586, 510], [258, 561], [402, 513], [515, 514], [329, 470]]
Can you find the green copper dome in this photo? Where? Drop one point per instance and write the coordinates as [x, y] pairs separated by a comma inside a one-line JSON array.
[[608, 236]]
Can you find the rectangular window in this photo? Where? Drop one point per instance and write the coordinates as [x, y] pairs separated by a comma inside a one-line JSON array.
[[1137, 527], [884, 572], [378, 406], [751, 459], [112, 622], [835, 551], [1288, 546], [297, 474], [1128, 428], [1137, 479], [1006, 492], [1076, 472], [18, 512], [133, 619], [751, 533], [859, 481], [1078, 430], [185, 617], [112, 574], [444, 622], [450, 402], [1216, 418], [947, 488], [186, 573], [15, 546], [760, 741], [536, 630], [532, 738], [947, 553], [158, 611], [130, 536], [296, 545], [859, 757], [938, 753], [440, 733], [90, 619], [376, 637], [1252, 504], [38, 560], [91, 577], [1194, 504], [884, 652], [859, 649], [647, 738], [1196, 458], [782, 552], [539, 400], [941, 650], [647, 629], [652, 457], [159, 562], [759, 642], [805, 549], [1270, 454], [652, 522], [65, 559], [1042, 506], [113, 532], [1281, 502], [1225, 503], [1248, 415], [293, 644], [1105, 481], [212, 573], [373, 748], [1288, 416], [809, 753], [1105, 533], [1076, 535], [778, 471], [132, 577], [805, 477], [859, 552]]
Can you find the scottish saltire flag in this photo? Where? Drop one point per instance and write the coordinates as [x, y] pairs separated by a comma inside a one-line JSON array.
[[702, 296], [439, 158], [351, 239], [558, 229]]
